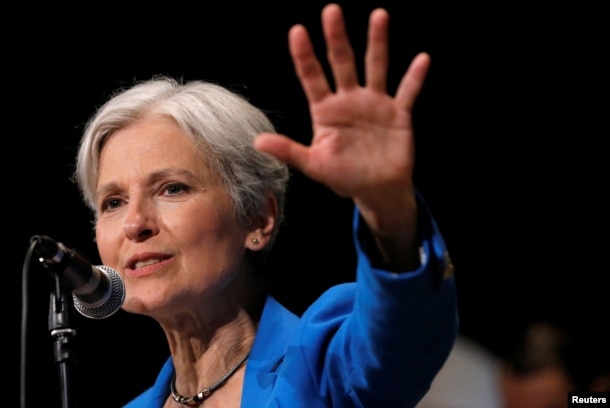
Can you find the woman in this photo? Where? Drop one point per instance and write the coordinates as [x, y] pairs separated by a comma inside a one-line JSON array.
[[187, 185]]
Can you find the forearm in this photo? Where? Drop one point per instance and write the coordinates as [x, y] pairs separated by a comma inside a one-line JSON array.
[[392, 221]]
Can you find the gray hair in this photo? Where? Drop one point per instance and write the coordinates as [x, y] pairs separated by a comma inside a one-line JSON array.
[[222, 125]]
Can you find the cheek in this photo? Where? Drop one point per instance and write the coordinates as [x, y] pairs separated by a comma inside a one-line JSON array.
[[195, 218], [205, 232], [193, 229], [107, 238]]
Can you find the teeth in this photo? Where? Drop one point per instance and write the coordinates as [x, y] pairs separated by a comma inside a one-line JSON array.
[[142, 264]]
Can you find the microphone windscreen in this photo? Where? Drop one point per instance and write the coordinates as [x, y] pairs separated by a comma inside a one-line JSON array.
[[111, 304]]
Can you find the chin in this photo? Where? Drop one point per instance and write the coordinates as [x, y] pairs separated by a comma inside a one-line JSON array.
[[147, 304]]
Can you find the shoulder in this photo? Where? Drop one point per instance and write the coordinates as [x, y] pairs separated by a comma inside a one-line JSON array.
[[334, 304]]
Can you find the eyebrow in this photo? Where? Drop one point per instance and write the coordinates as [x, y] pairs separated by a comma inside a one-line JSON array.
[[150, 179]]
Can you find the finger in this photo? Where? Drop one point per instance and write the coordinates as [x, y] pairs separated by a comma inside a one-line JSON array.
[[284, 148], [413, 81], [307, 67], [376, 58], [339, 50]]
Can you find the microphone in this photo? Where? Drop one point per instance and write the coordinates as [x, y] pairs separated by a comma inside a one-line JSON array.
[[98, 291]]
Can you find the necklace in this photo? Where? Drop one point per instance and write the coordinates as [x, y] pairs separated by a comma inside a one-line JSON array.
[[196, 400]]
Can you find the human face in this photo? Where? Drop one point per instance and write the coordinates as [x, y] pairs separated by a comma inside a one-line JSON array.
[[165, 222]]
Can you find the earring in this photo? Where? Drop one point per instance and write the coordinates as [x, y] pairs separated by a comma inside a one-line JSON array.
[[255, 241]]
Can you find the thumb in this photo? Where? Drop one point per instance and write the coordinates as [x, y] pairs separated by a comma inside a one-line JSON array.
[[284, 148]]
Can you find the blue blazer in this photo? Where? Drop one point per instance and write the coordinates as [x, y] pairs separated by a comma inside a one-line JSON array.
[[376, 342]]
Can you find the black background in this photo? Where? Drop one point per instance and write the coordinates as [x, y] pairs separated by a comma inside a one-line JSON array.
[[511, 157]]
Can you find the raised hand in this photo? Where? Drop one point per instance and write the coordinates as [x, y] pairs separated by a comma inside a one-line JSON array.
[[362, 144]]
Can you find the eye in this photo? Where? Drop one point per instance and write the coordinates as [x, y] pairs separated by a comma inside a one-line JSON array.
[[176, 189], [111, 204]]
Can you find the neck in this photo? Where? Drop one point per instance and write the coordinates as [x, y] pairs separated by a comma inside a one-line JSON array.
[[197, 399], [202, 358]]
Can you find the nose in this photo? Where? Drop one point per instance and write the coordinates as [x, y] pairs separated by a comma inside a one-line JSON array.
[[140, 221]]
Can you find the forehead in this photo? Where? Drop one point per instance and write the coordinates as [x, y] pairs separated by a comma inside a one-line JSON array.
[[148, 144]]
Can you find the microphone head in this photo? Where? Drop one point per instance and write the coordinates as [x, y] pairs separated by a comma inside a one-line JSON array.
[[111, 305]]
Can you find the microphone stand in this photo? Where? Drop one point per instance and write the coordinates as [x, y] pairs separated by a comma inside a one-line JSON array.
[[62, 333]]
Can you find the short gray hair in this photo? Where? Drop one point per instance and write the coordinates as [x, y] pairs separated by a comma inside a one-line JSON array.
[[221, 123]]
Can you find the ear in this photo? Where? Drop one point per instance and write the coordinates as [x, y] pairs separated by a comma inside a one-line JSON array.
[[263, 227]]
